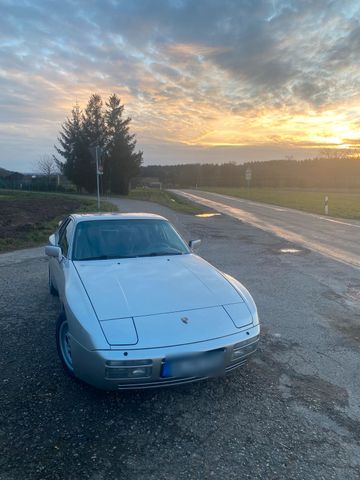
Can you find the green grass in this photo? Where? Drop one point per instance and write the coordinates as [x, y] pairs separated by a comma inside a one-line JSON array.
[[342, 204], [27, 219], [168, 199]]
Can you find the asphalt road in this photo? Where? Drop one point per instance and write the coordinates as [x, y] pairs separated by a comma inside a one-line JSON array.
[[335, 238], [292, 413]]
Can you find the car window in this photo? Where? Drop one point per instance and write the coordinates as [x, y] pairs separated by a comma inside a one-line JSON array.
[[64, 236], [62, 227], [103, 239]]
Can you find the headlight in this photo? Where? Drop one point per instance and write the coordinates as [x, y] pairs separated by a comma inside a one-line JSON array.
[[245, 295]]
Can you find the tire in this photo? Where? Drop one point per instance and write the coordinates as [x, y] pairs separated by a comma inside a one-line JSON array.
[[63, 344], [52, 289]]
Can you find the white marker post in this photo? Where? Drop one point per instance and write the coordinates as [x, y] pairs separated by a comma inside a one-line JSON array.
[[326, 205], [248, 176]]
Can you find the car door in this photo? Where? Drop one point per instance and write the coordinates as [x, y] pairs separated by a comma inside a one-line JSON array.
[[60, 265]]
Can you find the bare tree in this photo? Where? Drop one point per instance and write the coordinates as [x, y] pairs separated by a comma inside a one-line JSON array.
[[333, 153], [46, 166]]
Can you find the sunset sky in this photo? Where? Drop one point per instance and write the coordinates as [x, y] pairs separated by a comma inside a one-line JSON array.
[[205, 80]]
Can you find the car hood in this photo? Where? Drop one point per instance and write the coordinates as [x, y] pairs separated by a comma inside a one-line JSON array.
[[138, 287]]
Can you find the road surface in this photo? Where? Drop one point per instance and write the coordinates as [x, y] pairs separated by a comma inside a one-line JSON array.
[[292, 413], [335, 238]]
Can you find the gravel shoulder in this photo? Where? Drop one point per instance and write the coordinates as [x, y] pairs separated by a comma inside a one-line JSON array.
[[292, 412]]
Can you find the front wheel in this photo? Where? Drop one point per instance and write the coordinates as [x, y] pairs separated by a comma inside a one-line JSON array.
[[63, 344]]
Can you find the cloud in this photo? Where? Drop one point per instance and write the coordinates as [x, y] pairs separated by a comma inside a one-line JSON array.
[[215, 72]]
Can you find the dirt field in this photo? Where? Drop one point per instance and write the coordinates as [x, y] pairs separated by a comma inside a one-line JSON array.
[[27, 219]]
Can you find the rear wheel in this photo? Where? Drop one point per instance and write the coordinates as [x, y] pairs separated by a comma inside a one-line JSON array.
[[52, 289], [63, 344]]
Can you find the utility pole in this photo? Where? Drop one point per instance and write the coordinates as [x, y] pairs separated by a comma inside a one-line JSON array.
[[96, 153], [97, 177]]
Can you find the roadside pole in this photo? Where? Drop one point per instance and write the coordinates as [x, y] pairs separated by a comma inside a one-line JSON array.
[[97, 177], [248, 176], [96, 153], [326, 205]]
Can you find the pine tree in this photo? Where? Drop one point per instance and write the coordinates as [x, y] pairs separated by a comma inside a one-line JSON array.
[[83, 131], [95, 132], [94, 122], [73, 148], [122, 161]]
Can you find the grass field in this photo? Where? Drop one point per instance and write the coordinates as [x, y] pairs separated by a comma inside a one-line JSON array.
[[341, 204], [27, 219], [167, 199]]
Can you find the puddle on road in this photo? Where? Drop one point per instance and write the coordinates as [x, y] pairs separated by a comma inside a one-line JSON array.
[[289, 250], [207, 215]]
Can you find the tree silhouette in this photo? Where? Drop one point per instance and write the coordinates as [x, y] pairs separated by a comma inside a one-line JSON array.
[[106, 129]]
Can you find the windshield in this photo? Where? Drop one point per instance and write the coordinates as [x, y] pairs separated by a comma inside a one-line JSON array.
[[104, 239]]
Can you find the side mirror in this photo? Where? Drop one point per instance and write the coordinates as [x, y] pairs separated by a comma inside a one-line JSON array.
[[52, 251], [52, 240], [193, 244]]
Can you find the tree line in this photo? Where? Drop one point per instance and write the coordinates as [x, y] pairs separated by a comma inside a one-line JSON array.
[[315, 173], [104, 127]]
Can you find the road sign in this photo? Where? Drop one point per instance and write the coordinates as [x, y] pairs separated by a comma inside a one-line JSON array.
[[100, 170], [248, 176]]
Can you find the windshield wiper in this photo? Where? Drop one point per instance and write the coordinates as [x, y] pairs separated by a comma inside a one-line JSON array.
[[159, 254], [109, 257], [102, 257]]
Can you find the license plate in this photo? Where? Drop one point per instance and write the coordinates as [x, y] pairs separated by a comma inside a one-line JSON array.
[[194, 365]]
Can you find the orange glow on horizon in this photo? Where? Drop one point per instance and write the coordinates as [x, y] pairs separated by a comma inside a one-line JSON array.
[[199, 112], [202, 81]]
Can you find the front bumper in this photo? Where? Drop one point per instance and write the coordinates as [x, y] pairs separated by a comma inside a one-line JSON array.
[[95, 366]]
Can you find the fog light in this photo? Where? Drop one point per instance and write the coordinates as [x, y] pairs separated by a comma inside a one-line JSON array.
[[244, 351], [130, 363], [127, 372], [238, 353], [138, 372]]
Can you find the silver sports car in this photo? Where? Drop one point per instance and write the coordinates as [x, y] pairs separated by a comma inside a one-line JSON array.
[[139, 309]]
